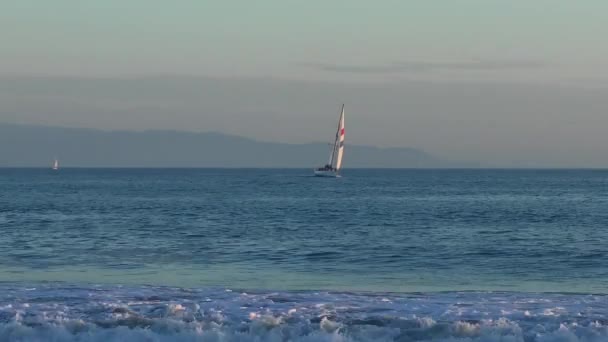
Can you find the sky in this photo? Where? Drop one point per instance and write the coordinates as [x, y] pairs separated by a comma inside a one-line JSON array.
[[510, 83]]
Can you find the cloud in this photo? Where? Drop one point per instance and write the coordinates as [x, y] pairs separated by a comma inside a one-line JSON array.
[[421, 66]]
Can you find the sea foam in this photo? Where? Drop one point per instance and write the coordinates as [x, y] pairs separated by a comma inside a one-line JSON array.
[[104, 313]]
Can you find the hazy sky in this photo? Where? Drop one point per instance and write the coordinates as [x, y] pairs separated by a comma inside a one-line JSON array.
[[511, 82]]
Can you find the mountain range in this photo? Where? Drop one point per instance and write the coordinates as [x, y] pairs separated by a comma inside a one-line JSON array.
[[37, 146]]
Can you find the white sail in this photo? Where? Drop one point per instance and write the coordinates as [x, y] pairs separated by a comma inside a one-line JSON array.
[[337, 152], [340, 141], [56, 165]]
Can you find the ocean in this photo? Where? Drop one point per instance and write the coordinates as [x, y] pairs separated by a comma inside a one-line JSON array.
[[278, 255]]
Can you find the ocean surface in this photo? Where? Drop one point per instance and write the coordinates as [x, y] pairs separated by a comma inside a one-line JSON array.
[[278, 255]]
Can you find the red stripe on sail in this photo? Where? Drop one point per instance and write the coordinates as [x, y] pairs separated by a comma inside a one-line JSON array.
[[342, 131]]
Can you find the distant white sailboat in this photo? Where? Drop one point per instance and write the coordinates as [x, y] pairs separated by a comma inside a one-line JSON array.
[[56, 164], [332, 168]]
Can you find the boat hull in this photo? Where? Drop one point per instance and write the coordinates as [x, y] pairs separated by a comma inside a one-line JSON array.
[[326, 173]]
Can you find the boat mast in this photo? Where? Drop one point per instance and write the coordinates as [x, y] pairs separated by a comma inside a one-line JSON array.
[[331, 155]]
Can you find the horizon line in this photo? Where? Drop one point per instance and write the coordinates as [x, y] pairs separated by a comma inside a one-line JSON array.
[[306, 168]]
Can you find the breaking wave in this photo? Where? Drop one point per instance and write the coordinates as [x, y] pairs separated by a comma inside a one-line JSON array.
[[103, 313]]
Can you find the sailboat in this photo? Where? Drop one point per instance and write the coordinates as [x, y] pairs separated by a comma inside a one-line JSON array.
[[332, 168], [56, 164]]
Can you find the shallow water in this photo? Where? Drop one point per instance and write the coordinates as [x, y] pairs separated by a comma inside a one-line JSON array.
[[533, 237]]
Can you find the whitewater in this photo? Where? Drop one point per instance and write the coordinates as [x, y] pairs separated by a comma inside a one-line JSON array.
[[117, 313]]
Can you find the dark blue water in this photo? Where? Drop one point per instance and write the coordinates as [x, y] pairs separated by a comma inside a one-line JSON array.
[[522, 234]]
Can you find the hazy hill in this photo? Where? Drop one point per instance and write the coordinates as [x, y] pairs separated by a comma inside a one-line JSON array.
[[30, 145]]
